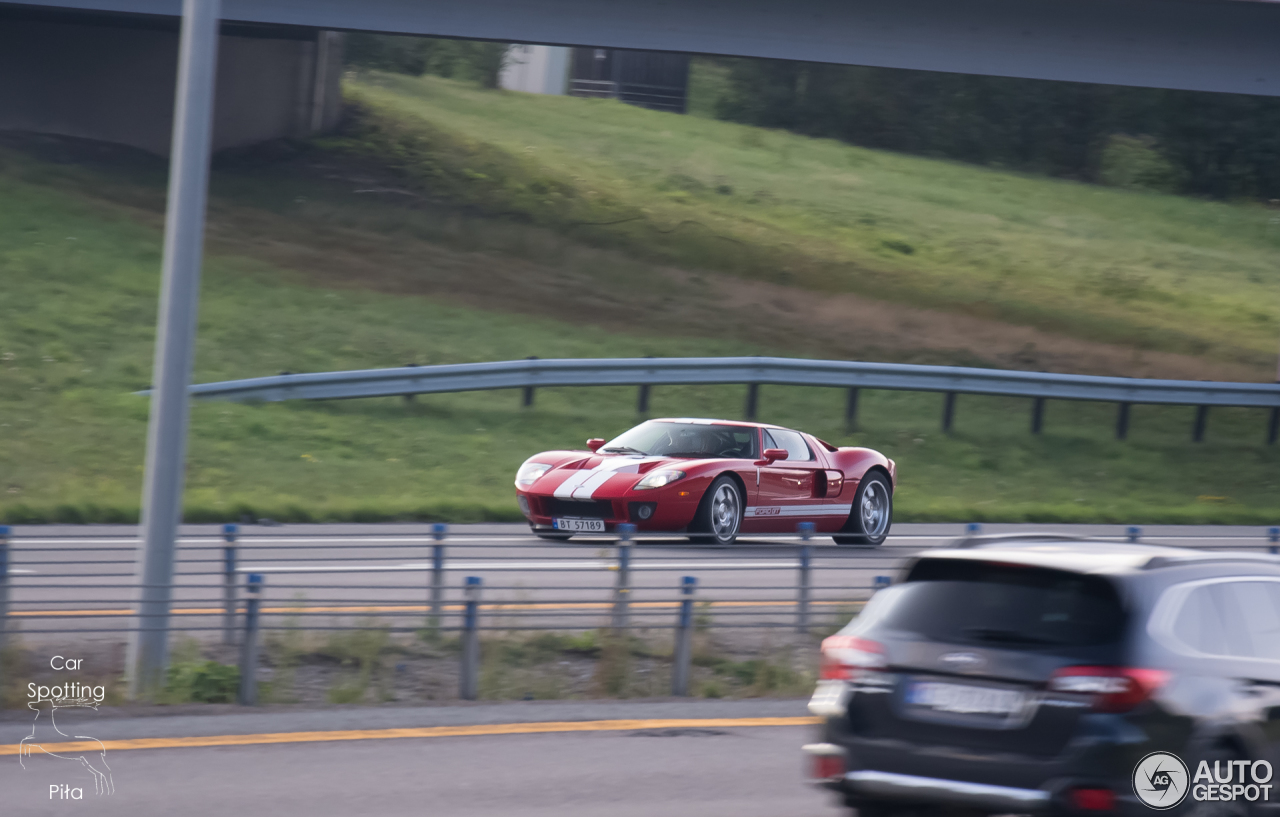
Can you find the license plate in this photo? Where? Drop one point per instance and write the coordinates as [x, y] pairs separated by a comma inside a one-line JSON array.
[[964, 699], [580, 525]]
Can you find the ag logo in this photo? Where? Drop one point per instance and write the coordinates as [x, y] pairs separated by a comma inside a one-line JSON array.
[[1160, 780]]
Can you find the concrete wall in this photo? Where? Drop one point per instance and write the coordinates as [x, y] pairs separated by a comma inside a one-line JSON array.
[[115, 82]]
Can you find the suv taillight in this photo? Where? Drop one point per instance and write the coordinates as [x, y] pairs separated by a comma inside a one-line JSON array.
[[1114, 689], [843, 656]]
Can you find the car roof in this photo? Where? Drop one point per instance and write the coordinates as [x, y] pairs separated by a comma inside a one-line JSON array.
[[706, 421], [1077, 555]]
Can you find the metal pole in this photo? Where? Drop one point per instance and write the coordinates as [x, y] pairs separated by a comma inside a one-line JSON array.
[[642, 400], [684, 639], [1037, 415], [948, 411], [4, 597], [229, 533], [753, 397], [526, 396], [622, 589], [175, 339], [249, 646], [469, 677], [438, 531], [1122, 421], [851, 410], [1202, 419], [804, 580]]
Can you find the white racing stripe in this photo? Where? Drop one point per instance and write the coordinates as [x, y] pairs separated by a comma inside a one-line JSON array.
[[584, 483]]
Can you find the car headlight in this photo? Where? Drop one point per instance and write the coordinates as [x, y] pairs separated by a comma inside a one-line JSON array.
[[529, 473], [659, 478]]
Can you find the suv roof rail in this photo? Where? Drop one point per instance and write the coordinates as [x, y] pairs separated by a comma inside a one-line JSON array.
[[994, 538], [1193, 555]]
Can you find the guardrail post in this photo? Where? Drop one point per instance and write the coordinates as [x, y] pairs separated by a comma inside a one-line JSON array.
[[753, 397], [469, 677], [1273, 534], [642, 400], [1037, 415], [438, 531], [1202, 418], [1122, 421], [622, 589], [526, 397], [229, 534], [249, 646], [881, 582], [1273, 427], [683, 654], [804, 579], [973, 529], [4, 593], [851, 409], [1133, 533], [948, 411]]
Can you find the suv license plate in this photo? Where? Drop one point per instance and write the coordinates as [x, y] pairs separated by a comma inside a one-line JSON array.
[[580, 525], [963, 699]]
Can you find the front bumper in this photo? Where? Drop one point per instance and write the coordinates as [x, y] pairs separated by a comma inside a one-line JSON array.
[[666, 511], [935, 791]]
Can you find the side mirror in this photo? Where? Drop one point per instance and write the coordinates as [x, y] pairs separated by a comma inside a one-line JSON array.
[[594, 444], [771, 454]]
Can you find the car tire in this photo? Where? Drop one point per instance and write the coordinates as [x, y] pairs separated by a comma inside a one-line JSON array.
[[871, 515], [719, 516]]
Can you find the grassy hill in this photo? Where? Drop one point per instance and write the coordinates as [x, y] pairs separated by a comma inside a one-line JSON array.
[[352, 253]]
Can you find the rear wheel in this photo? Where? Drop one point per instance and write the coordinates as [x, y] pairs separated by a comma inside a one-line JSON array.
[[719, 515], [871, 515]]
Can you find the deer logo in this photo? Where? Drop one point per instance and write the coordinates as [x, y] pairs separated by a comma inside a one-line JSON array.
[[45, 733]]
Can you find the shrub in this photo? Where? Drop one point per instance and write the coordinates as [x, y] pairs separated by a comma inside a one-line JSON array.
[[1136, 162]]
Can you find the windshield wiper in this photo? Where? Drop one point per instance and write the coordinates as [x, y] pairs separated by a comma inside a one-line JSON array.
[[623, 449], [1007, 636]]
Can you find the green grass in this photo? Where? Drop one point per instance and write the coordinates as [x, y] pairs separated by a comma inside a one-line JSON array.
[[80, 281], [1148, 270]]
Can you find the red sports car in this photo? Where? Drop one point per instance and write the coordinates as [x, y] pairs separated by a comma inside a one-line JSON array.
[[712, 480]]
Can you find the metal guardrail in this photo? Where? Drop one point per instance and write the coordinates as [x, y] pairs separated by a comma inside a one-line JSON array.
[[754, 371]]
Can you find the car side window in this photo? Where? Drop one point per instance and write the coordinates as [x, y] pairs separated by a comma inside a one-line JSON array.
[[1259, 606], [797, 449], [1199, 624], [1240, 619]]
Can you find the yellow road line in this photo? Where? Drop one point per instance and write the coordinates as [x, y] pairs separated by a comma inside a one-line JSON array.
[[419, 732], [422, 608]]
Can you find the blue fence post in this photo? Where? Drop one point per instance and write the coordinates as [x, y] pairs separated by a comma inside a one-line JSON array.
[[804, 579], [882, 582], [229, 558], [1273, 535], [973, 529], [469, 677], [1133, 533], [249, 646], [438, 532], [622, 588], [684, 639]]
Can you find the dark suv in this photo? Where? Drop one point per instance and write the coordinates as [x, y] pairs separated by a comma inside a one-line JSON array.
[[1036, 675]]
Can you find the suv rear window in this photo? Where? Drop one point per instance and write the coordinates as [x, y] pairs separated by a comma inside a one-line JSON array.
[[1009, 606]]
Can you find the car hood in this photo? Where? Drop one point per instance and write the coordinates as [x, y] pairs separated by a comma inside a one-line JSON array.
[[584, 476]]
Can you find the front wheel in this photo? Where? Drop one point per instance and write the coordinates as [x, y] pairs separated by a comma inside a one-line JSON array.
[[719, 515], [871, 515]]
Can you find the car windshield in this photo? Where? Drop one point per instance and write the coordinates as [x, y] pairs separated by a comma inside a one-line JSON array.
[[663, 439], [1010, 606]]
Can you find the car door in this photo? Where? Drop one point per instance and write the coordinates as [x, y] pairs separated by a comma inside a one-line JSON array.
[[785, 496]]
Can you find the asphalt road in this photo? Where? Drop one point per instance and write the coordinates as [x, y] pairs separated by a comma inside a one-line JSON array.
[[324, 574], [722, 770]]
